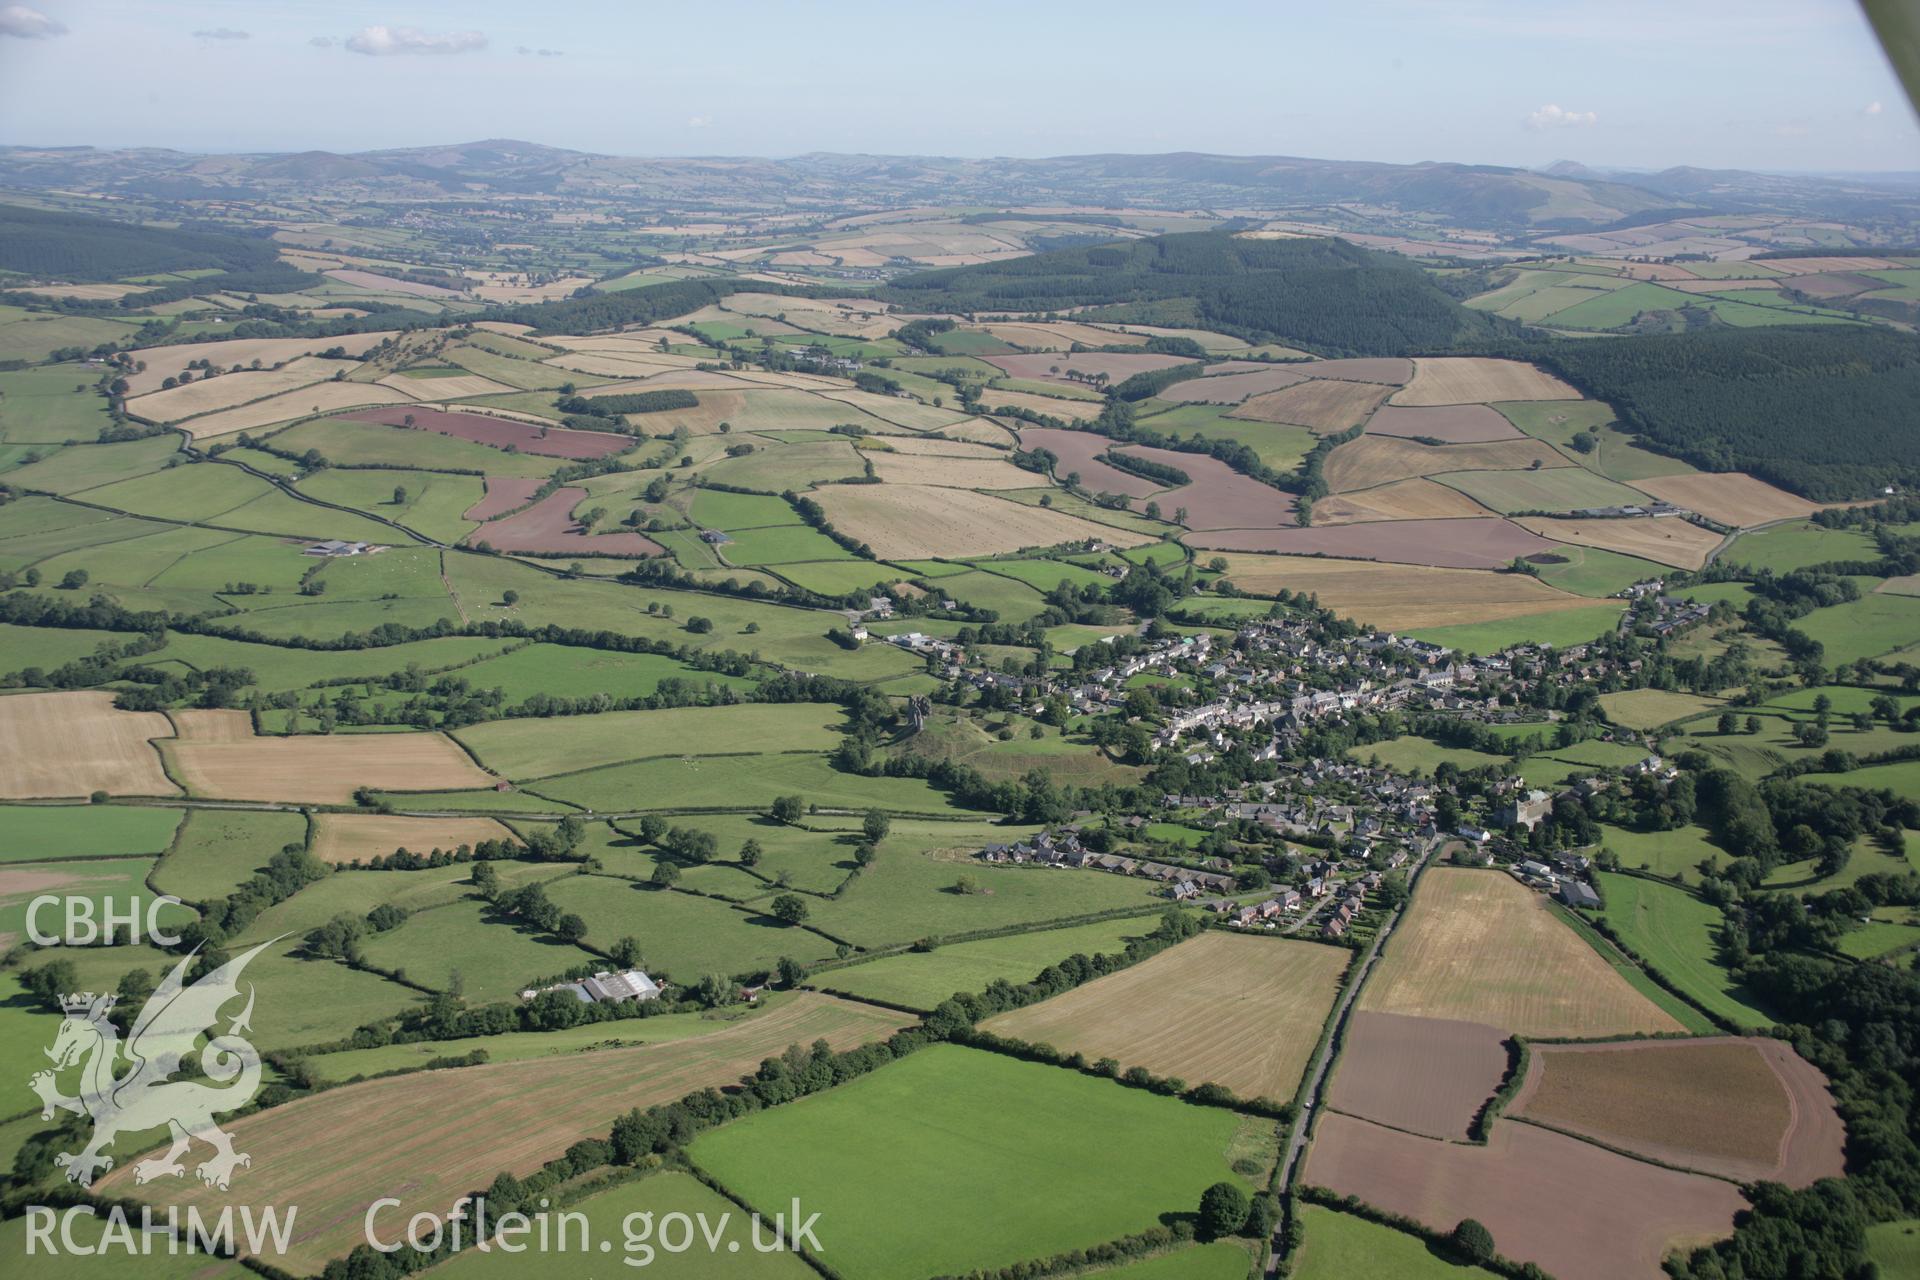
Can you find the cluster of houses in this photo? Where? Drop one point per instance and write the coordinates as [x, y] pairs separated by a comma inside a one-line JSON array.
[[1063, 849], [336, 547], [604, 988]]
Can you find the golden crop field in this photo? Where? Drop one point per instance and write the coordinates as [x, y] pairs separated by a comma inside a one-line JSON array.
[[1417, 498], [1474, 380], [1324, 404], [323, 769], [73, 744], [1401, 596], [1730, 497], [920, 522], [344, 837], [1665, 539]]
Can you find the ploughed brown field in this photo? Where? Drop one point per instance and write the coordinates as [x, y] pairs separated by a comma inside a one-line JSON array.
[[548, 525], [1242, 1012], [432, 1136], [1323, 404], [1486, 543], [1232, 388], [1579, 1211], [1081, 451], [1666, 539], [1454, 424], [1749, 1109], [73, 744], [1475, 380], [1218, 497], [1730, 497], [1375, 460], [1480, 946], [1415, 499], [528, 437], [1429, 1075], [504, 493], [1401, 597]]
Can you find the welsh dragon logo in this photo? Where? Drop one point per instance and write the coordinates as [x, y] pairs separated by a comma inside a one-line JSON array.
[[126, 1088]]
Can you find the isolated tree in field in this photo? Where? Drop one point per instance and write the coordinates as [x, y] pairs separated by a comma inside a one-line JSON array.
[[509, 598], [1179, 515], [485, 878], [864, 854], [652, 827], [788, 809], [665, 874], [1472, 1242], [790, 908], [1753, 724], [1728, 723], [876, 825], [1223, 1210], [75, 579], [571, 928], [750, 853], [399, 495], [792, 972], [626, 952]]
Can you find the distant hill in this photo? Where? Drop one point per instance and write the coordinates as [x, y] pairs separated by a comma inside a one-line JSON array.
[[1328, 295], [74, 246]]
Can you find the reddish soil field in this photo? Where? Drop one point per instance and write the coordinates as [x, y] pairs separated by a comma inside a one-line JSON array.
[[1080, 451], [1580, 1212], [1452, 424], [1430, 1075], [1232, 388], [1389, 369], [504, 493], [550, 442], [1444, 544], [1219, 497], [1117, 365], [1749, 1109], [548, 525]]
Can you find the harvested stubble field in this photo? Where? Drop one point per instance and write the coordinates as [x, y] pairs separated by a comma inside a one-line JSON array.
[[1322, 404], [344, 837], [1474, 380], [1745, 1109], [1626, 1214], [924, 522], [1081, 452], [1378, 460], [1401, 596], [171, 361], [335, 1153], [552, 442], [321, 397], [1663, 539], [1218, 497], [207, 395], [73, 744], [1393, 370], [1478, 946], [321, 769], [548, 526], [1484, 543], [994, 398], [504, 493], [1117, 365], [951, 472], [1455, 424], [1730, 497], [1232, 388], [1427, 1075], [1061, 335], [1235, 1011], [1415, 499]]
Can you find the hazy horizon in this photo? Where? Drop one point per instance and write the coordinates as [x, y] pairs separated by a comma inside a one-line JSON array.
[[1774, 86]]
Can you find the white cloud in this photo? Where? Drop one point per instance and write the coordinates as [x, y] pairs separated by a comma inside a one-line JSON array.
[[323, 42], [1553, 116], [223, 33], [699, 122], [544, 53], [22, 23], [381, 42], [1872, 109]]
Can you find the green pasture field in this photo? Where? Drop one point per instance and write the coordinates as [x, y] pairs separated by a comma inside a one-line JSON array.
[[541, 748], [35, 335], [718, 509], [48, 647], [968, 365], [1561, 628], [682, 935], [527, 375], [307, 1002], [227, 497], [1866, 858], [815, 855], [1548, 489], [493, 955], [32, 832], [1664, 853], [1220, 1260], [100, 880], [1280, 445], [109, 1258], [160, 565], [433, 506], [1619, 306], [1651, 708], [1892, 929], [1018, 1160], [1423, 754], [1072, 760], [357, 892], [791, 636], [82, 467], [1874, 624], [1013, 601], [371, 444], [1845, 699], [217, 850], [276, 668], [838, 577], [782, 544], [41, 406], [1590, 571], [1616, 454], [1339, 1245], [1600, 755], [566, 671], [776, 469], [1045, 575], [909, 893], [921, 980], [1073, 504], [1160, 553], [1675, 932], [739, 782], [1798, 545], [1895, 1246]]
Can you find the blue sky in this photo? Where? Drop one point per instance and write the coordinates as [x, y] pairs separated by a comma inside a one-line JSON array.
[[1791, 85]]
